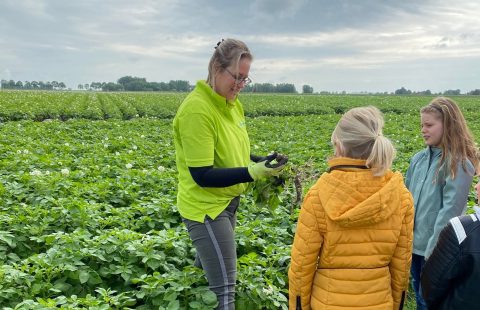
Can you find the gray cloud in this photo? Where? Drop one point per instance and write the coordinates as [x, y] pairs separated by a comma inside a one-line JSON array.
[[331, 45]]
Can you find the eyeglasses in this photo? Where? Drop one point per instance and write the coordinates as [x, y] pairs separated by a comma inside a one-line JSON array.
[[239, 80]]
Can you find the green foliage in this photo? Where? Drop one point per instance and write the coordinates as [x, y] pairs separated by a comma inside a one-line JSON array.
[[271, 192], [266, 192], [87, 208]]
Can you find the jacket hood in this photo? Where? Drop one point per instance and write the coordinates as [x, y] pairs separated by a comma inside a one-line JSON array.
[[353, 197]]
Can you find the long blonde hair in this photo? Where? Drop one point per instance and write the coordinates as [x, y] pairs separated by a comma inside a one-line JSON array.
[[359, 135], [457, 141], [227, 52]]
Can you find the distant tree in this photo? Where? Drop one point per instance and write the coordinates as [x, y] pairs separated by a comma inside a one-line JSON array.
[[403, 91], [133, 83], [27, 85], [137, 85], [179, 85], [86, 86], [95, 85], [155, 86], [475, 92], [452, 92], [264, 87], [307, 89], [130, 83], [285, 88], [112, 87], [248, 88], [11, 84], [125, 80], [159, 86], [80, 86], [62, 85], [164, 86], [423, 92]]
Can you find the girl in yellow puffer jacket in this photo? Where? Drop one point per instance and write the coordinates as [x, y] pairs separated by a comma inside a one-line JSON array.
[[353, 243]]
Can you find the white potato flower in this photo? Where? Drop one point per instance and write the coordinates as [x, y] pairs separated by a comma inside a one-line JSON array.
[[35, 172]]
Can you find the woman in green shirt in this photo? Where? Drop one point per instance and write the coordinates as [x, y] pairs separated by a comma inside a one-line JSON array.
[[214, 164]]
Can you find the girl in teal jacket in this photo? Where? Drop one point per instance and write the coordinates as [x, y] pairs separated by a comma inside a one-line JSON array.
[[439, 178]]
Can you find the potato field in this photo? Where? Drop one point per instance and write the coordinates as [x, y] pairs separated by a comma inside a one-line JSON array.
[[88, 192]]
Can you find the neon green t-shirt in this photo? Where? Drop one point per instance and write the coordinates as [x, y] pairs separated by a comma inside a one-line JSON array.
[[208, 131]]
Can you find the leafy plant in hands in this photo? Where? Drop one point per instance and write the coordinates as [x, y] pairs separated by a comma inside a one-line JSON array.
[[266, 191]]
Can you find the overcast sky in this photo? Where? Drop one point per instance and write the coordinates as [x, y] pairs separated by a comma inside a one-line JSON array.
[[356, 45]]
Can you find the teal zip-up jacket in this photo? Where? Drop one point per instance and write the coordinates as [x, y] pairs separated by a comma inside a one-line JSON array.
[[436, 201]]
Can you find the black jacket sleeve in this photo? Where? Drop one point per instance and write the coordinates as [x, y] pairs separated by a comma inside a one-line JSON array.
[[441, 268], [219, 177]]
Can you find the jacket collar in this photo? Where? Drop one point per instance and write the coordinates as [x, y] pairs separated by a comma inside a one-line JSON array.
[[434, 151], [341, 163]]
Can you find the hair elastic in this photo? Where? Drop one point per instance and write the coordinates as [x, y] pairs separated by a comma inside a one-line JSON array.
[[218, 44]]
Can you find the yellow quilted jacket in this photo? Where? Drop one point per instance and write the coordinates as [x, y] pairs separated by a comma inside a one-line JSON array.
[[353, 243]]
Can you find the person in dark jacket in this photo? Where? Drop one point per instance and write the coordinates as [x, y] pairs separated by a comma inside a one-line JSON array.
[[451, 276]]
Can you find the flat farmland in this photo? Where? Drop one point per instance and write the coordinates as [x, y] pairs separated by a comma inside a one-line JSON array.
[[88, 188]]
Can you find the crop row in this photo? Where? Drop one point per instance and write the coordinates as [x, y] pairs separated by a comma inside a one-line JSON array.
[[39, 106], [88, 217]]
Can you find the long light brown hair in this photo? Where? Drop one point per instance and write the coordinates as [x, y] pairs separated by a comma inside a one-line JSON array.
[[457, 141]]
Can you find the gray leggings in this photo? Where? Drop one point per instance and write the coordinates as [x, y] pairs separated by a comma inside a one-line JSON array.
[[214, 241]]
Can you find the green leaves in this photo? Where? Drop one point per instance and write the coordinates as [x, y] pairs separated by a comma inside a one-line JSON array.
[[7, 238], [87, 208], [83, 276], [266, 193]]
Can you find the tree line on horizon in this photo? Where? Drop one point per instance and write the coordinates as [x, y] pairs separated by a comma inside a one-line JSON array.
[[449, 92], [27, 85], [129, 83]]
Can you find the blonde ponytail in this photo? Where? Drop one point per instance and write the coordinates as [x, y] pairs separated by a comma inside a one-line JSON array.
[[381, 156], [359, 135]]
